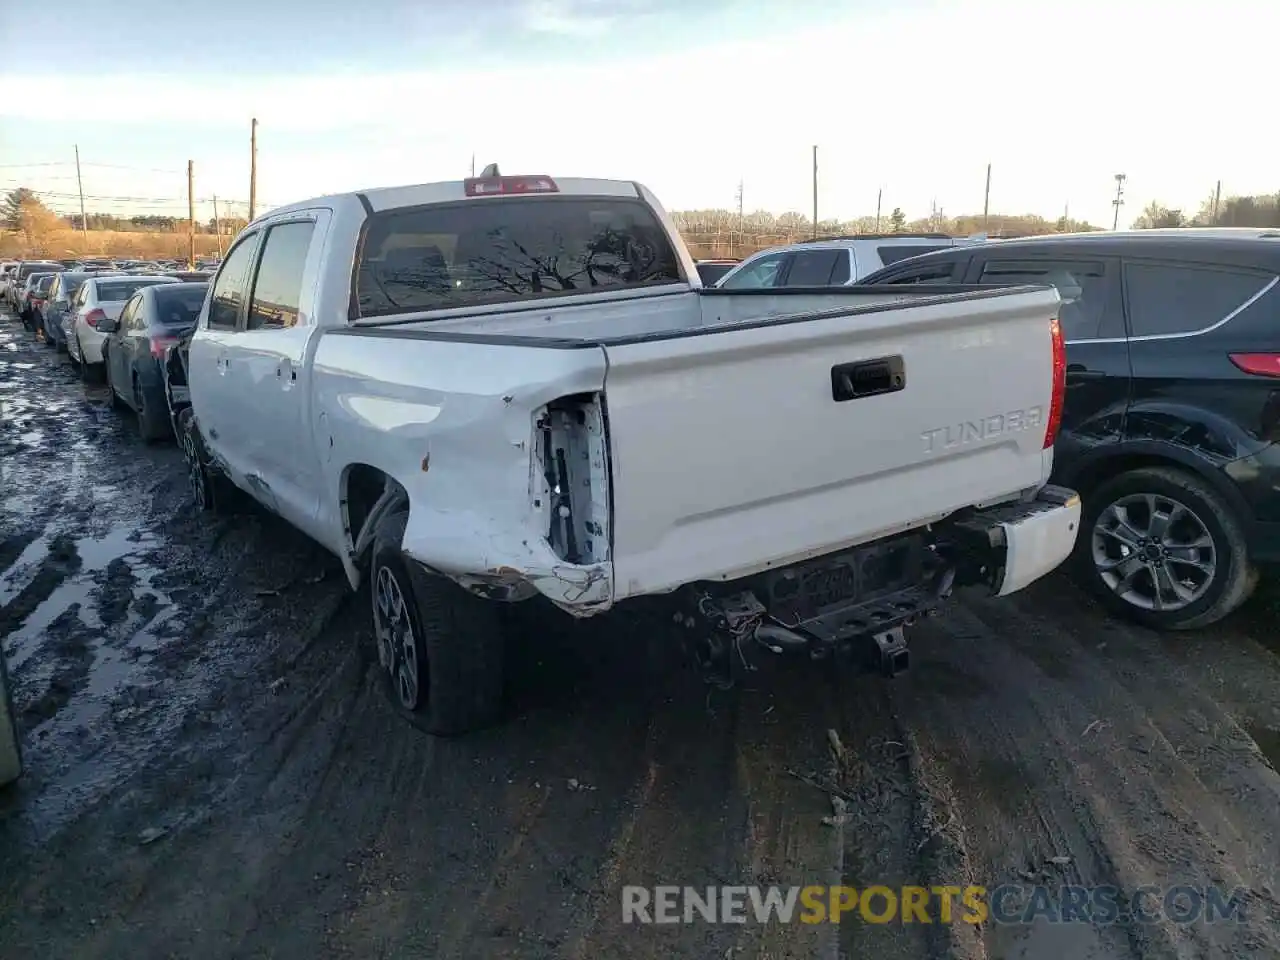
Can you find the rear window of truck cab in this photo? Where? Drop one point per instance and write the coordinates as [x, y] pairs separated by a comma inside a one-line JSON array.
[[495, 251]]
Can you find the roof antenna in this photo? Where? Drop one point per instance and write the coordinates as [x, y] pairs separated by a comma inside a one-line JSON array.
[[490, 171]]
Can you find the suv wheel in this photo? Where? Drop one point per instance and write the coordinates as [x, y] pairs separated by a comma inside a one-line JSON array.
[[1162, 547], [440, 647]]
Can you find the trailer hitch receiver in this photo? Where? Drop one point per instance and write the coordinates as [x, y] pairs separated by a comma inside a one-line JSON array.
[[889, 652]]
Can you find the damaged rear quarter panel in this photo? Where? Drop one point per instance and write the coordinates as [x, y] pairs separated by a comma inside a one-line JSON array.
[[467, 411]]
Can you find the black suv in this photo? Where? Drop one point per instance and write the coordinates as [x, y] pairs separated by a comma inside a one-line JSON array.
[[1172, 406]]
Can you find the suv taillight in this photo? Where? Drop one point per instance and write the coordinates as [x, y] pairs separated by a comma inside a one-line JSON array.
[[1258, 364], [1059, 348]]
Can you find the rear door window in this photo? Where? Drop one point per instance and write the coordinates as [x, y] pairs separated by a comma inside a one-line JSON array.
[[812, 268], [1083, 285], [1170, 299], [497, 251], [277, 289]]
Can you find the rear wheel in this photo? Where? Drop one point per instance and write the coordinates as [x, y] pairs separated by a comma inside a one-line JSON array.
[[1162, 547], [116, 401], [440, 647], [210, 490], [153, 423]]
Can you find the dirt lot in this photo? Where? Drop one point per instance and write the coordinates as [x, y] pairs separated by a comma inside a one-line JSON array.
[[214, 772]]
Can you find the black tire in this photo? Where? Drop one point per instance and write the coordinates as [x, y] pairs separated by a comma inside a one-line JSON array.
[[153, 424], [457, 643], [1233, 578], [10, 740], [117, 402], [210, 490]]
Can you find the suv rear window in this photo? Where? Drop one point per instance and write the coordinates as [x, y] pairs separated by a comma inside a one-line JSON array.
[[497, 251], [892, 253]]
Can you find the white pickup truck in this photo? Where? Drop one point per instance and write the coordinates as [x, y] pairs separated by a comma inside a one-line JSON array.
[[491, 390]]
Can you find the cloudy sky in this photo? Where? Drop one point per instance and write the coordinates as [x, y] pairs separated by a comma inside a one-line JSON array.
[[912, 97]]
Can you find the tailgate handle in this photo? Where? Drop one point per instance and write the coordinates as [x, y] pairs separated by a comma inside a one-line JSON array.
[[867, 378]]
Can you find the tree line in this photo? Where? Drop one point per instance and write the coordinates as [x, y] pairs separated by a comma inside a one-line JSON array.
[[23, 212], [1256, 211]]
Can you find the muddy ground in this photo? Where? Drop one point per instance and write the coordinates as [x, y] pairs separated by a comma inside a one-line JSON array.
[[214, 770]]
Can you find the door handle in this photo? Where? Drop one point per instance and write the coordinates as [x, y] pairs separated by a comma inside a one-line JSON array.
[[222, 363], [285, 372], [867, 378], [1080, 374]]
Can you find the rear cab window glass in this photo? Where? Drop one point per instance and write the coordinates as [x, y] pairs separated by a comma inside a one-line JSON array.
[[812, 268], [892, 253], [1169, 298], [277, 289], [497, 251], [1083, 286]]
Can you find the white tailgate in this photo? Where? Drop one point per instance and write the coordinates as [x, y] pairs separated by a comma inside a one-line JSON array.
[[731, 456]]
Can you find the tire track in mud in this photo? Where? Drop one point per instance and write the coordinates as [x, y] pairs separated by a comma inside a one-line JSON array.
[[1053, 755], [60, 561]]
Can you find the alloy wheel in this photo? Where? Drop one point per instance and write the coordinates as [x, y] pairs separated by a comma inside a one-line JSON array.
[[397, 644], [196, 477], [1154, 552]]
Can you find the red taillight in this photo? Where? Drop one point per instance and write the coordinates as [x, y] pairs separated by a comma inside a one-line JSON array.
[[161, 344], [1259, 364], [1059, 383], [93, 316], [492, 186]]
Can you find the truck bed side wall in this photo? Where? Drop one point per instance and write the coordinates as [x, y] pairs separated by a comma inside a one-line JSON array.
[[452, 423]]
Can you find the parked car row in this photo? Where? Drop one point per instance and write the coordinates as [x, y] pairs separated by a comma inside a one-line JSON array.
[[113, 325], [1172, 408]]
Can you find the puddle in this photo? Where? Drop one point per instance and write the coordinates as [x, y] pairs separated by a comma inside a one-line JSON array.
[[112, 663], [1268, 742]]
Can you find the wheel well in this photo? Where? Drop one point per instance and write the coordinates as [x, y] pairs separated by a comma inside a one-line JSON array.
[[1096, 474], [364, 489]]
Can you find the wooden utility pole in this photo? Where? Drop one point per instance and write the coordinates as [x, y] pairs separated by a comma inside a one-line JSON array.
[[253, 168], [879, 197], [815, 191], [217, 225], [1118, 202], [986, 201], [1217, 196], [84, 221], [191, 216]]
